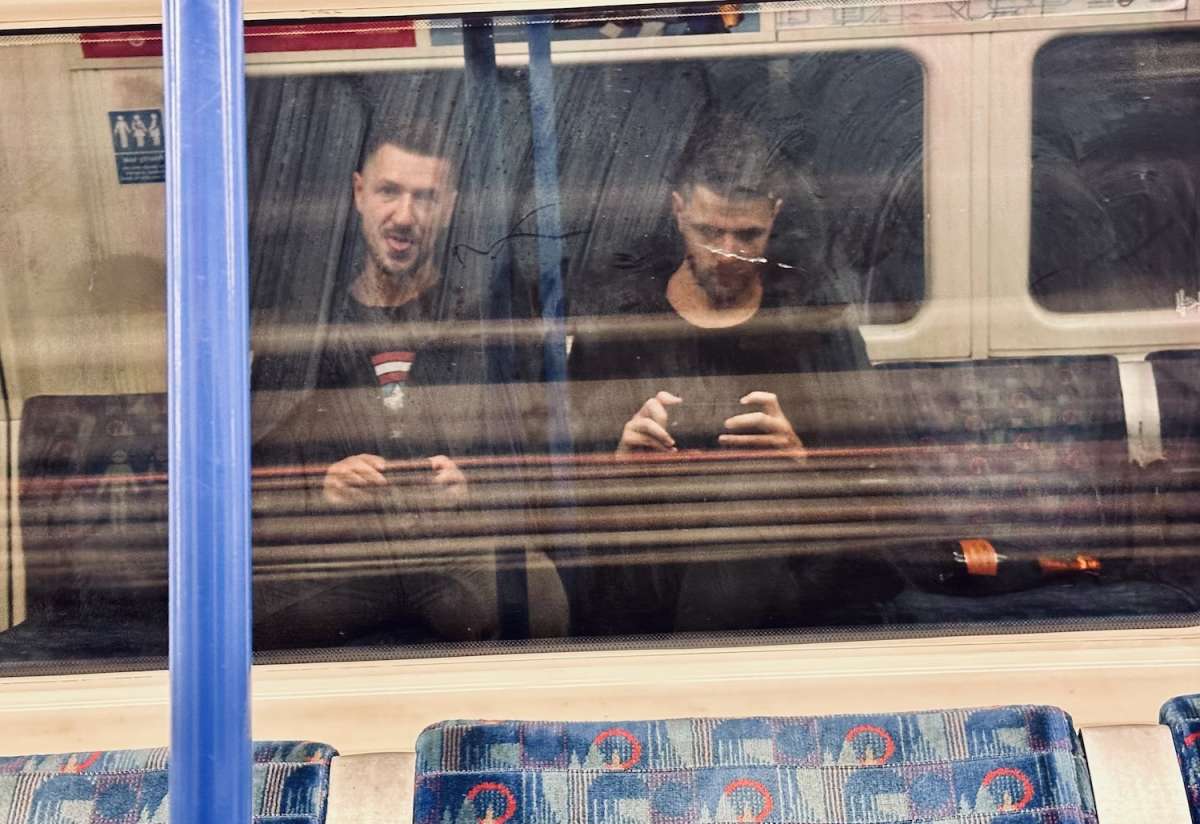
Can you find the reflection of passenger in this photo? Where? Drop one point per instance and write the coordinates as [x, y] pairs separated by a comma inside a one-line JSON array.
[[717, 336], [374, 402], [717, 305], [404, 199]]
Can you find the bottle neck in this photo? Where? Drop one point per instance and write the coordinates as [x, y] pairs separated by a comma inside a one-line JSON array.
[[1075, 563]]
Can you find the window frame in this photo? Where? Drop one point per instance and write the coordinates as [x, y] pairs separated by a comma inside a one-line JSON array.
[[1017, 324]]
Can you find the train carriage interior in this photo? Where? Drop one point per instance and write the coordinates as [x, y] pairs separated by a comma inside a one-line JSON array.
[[781, 413]]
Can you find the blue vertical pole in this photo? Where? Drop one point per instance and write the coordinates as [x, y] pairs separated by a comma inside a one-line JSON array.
[[544, 124], [493, 187], [543, 119], [208, 412]]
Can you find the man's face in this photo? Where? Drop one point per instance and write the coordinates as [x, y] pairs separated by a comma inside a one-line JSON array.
[[724, 239], [404, 199]]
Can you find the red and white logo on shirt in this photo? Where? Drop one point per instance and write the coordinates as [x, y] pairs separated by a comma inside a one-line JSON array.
[[391, 370]]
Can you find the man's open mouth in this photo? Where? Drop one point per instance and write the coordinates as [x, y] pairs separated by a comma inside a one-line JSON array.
[[398, 245]]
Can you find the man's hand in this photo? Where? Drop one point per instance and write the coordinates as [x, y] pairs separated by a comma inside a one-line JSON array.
[[359, 479], [768, 429], [449, 483], [354, 480], [647, 429]]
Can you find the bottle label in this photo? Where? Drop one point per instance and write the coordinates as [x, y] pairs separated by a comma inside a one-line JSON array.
[[981, 557]]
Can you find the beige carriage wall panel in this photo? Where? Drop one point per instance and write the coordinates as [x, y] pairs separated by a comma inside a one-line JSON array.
[[44, 227], [981, 55], [941, 329], [82, 277], [1017, 324], [934, 18], [7, 559], [1105, 677]]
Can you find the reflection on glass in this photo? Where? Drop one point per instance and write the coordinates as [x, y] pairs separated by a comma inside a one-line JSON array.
[[82, 370], [698, 449], [400, 393], [1115, 180]]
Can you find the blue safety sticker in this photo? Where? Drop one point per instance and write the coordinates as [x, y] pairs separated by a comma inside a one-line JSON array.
[[139, 145]]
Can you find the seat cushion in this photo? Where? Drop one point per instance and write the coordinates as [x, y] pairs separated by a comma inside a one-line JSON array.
[[1182, 715], [1016, 765], [291, 784]]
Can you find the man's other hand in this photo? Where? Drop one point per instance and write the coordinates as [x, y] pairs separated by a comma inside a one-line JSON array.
[[647, 429], [449, 483], [354, 480], [766, 429]]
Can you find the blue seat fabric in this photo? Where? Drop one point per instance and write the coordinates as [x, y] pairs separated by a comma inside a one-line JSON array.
[[1182, 715], [1006, 765], [291, 785]]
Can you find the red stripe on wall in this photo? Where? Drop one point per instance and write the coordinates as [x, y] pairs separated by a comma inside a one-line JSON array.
[[289, 37]]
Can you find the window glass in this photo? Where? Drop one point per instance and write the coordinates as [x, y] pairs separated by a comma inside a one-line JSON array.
[[632, 401], [83, 560], [550, 352], [434, 250], [1115, 180]]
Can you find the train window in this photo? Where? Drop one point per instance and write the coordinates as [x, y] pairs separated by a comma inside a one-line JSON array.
[[569, 350], [82, 355], [555, 342], [432, 475], [1115, 172]]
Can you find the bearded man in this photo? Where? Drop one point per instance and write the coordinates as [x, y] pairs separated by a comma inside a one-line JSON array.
[[376, 432], [714, 351]]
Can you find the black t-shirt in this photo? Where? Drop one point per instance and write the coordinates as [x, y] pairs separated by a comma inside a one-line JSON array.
[[807, 356], [379, 389], [816, 364], [375, 388]]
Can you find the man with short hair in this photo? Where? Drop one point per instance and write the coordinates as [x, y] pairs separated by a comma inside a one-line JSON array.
[[404, 196], [392, 399], [708, 355]]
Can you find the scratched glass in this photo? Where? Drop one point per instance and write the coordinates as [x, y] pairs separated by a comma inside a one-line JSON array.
[[83, 561], [635, 401], [438, 275], [1116, 173], [583, 349]]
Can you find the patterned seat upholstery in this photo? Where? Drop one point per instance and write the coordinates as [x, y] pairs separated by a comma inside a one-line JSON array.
[[1007, 765], [1182, 715], [291, 785]]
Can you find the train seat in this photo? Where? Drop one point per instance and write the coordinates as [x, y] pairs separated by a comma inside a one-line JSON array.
[[1016, 763], [1009, 406], [1177, 382], [93, 510], [1182, 716], [291, 783], [92, 495]]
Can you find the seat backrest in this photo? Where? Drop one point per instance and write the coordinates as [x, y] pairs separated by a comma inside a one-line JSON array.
[[1019, 763], [1182, 715], [93, 505], [1009, 403], [1177, 381], [291, 784]]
